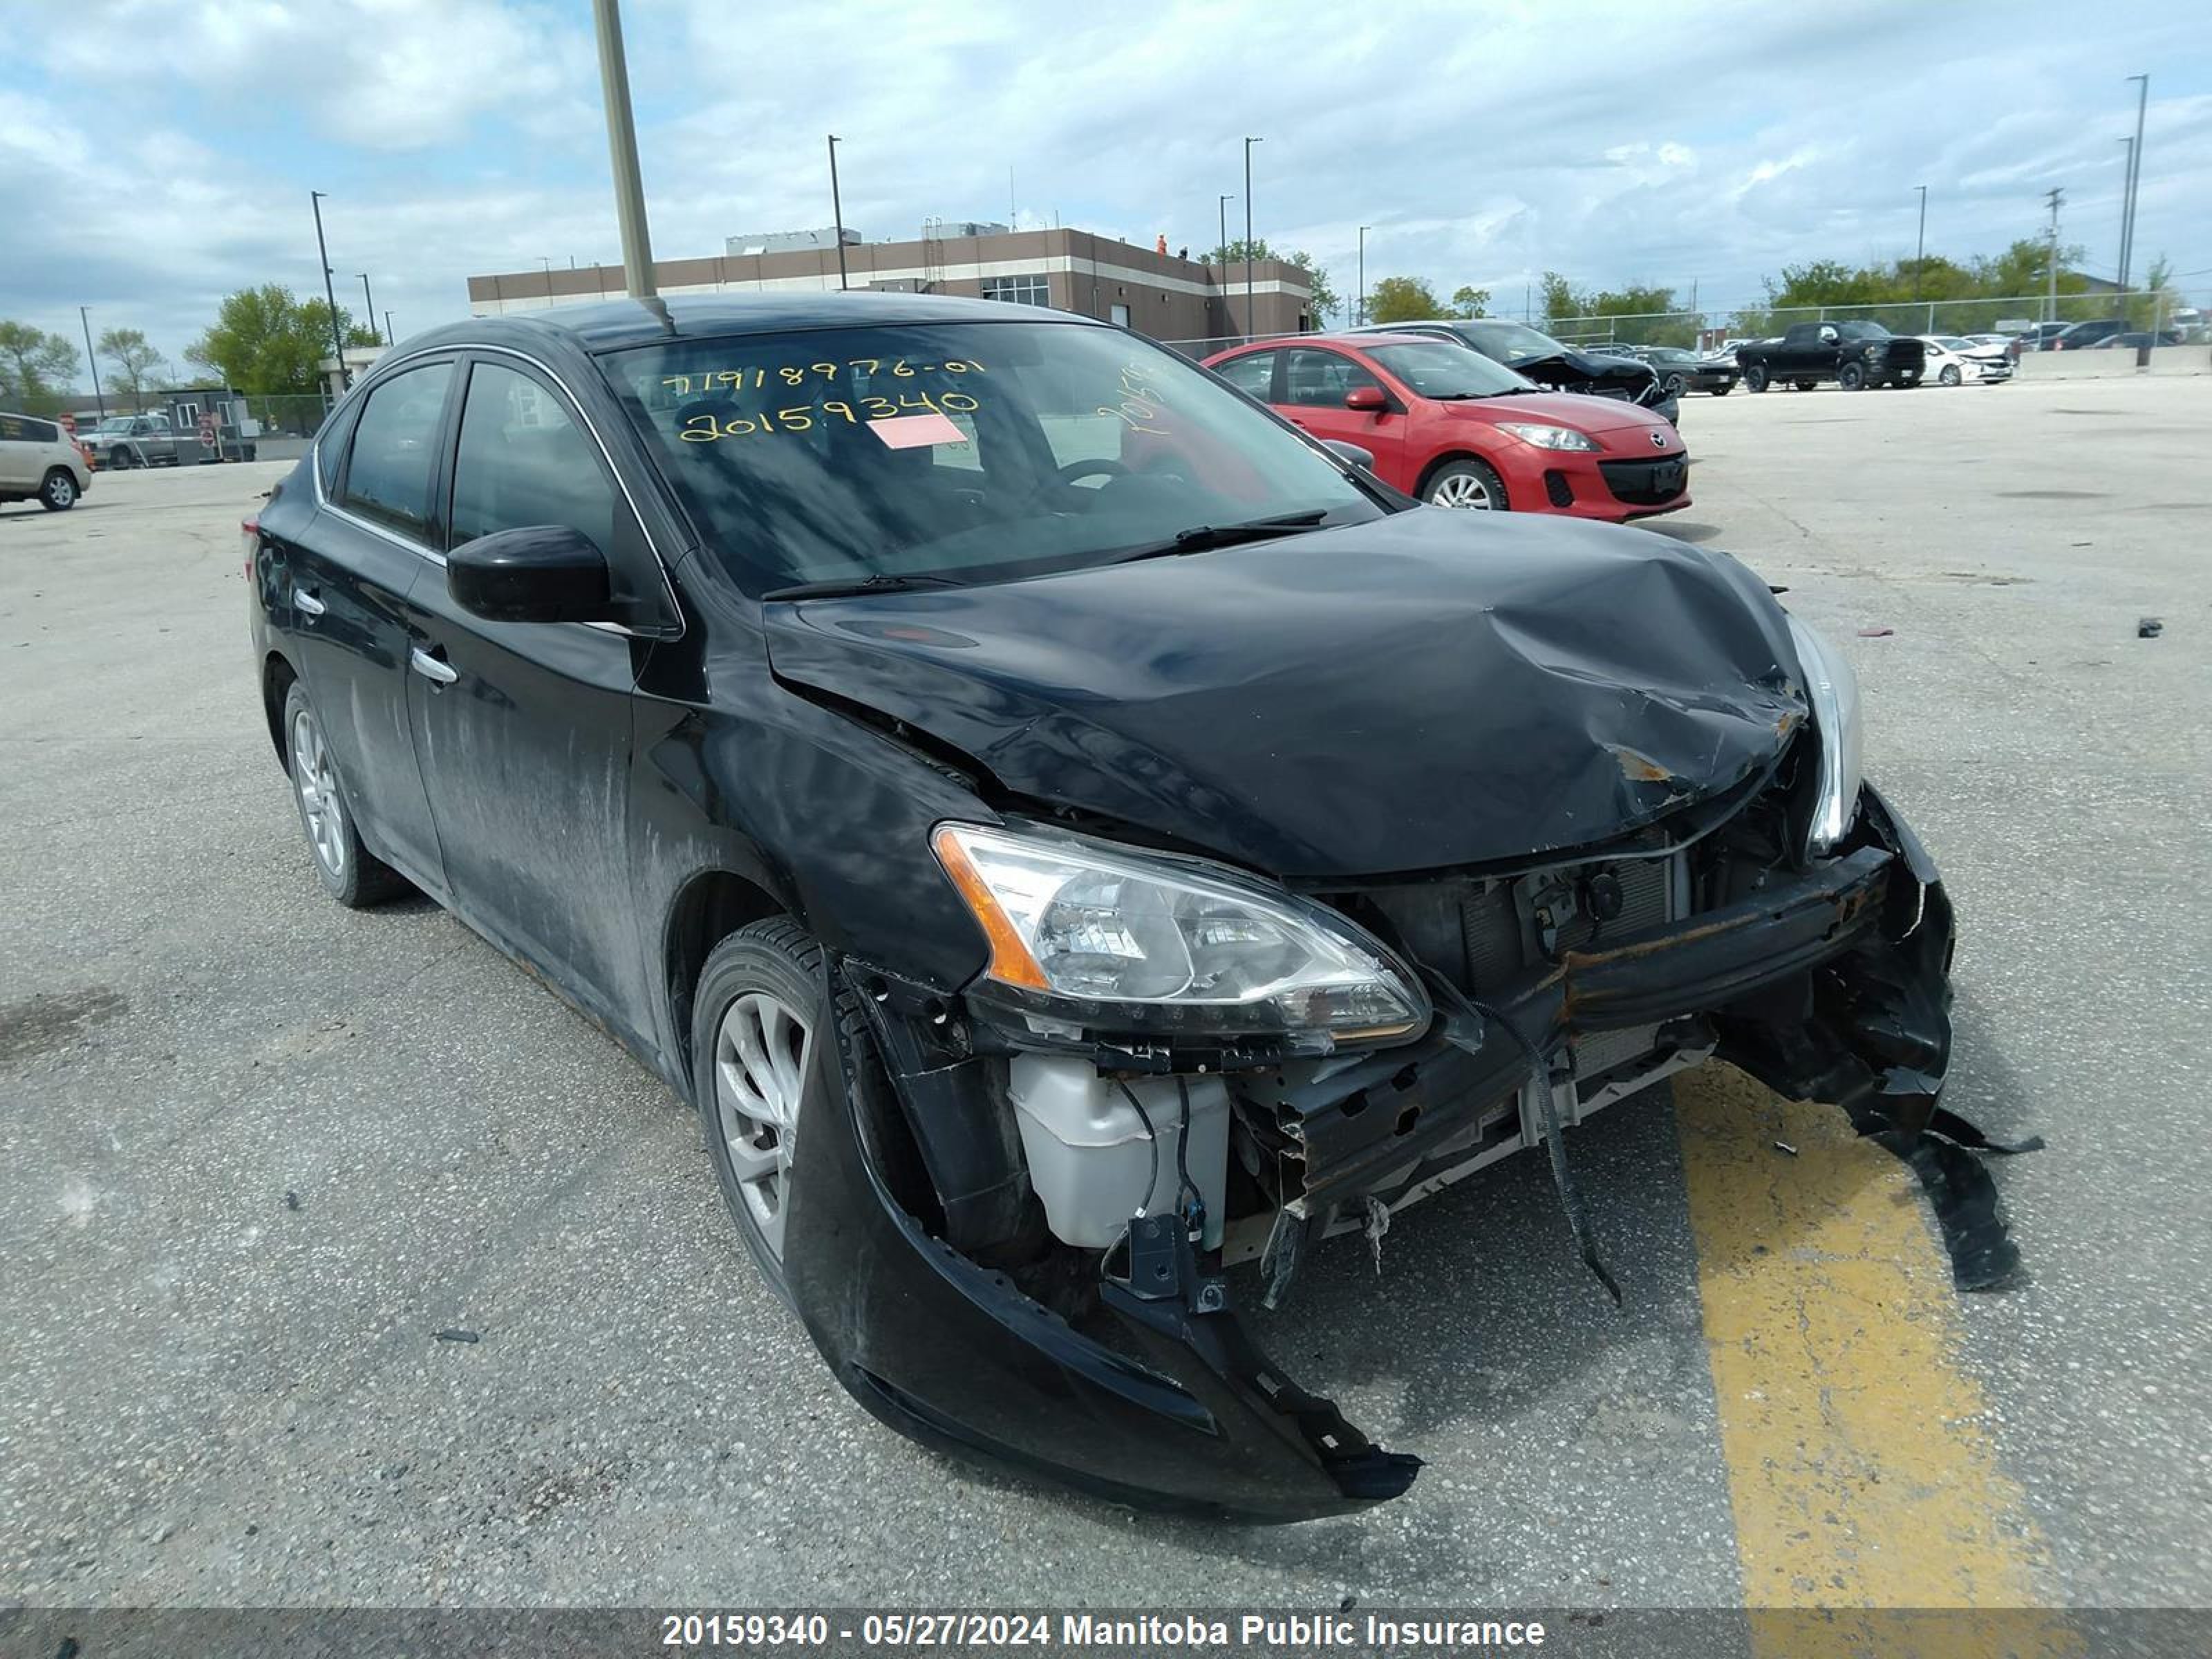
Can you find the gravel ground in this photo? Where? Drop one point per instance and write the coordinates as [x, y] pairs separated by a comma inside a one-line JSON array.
[[261, 1152]]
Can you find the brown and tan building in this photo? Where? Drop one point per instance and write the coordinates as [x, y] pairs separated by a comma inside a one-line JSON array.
[[1156, 294]]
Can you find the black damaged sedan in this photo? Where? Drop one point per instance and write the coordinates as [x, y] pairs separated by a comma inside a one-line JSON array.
[[1068, 834]]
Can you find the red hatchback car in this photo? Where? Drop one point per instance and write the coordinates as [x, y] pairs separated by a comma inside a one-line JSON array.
[[1454, 429]]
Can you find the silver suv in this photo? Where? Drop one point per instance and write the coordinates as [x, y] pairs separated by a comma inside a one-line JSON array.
[[37, 461]]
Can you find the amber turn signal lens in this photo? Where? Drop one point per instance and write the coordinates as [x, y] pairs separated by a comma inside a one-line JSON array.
[[1011, 960]]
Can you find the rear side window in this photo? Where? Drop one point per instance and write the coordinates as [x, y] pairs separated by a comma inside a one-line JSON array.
[[22, 429], [395, 449], [523, 461], [331, 443], [1255, 373]]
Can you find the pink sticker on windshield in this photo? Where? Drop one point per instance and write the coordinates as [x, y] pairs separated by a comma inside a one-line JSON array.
[[913, 431]]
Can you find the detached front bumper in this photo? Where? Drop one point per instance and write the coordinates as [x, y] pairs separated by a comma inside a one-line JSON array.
[[1831, 985]]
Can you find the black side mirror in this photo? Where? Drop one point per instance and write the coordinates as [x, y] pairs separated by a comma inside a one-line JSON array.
[[541, 573], [1351, 454]]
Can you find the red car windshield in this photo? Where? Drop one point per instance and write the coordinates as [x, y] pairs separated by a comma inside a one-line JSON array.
[[1433, 370]]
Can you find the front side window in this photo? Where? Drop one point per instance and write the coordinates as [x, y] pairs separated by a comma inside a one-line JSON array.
[[523, 461], [1319, 380], [962, 451], [1021, 291], [395, 449]]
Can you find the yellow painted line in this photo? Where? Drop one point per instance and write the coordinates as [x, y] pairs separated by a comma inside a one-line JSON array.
[[1861, 1472]]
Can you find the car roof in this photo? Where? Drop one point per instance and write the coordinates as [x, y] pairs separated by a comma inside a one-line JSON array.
[[619, 324]]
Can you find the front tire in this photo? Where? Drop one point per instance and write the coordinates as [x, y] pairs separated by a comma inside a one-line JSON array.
[[1466, 483], [1851, 377], [755, 1017], [57, 491], [1754, 377], [350, 873], [1949, 376]]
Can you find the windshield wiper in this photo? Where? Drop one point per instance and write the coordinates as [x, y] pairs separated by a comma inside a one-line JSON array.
[[1200, 537], [849, 587]]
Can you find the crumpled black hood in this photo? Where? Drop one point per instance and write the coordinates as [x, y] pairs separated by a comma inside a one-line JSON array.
[[1570, 371], [1431, 690]]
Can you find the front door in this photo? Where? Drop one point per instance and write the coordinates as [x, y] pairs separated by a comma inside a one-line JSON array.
[[524, 728], [374, 539], [1315, 384]]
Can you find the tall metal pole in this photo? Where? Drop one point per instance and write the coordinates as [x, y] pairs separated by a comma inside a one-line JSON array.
[[389, 339], [368, 300], [2126, 180], [1249, 315], [622, 149], [84, 316], [1920, 249], [837, 213], [2135, 179], [329, 292], [2055, 196], [1223, 204], [1361, 314]]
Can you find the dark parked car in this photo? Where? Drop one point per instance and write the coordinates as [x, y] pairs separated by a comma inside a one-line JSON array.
[[1066, 830], [1852, 355], [1680, 371], [2137, 340], [2079, 336], [1553, 365]]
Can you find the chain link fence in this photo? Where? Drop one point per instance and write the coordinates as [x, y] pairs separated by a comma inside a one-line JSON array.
[[2166, 314]]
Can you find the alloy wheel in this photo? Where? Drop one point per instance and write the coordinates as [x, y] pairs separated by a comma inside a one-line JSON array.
[[1461, 489], [312, 775], [61, 490], [762, 1051]]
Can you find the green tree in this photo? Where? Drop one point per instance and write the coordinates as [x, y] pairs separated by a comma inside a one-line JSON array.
[[1402, 300], [1560, 302], [1326, 300], [266, 342], [134, 365], [1469, 301], [35, 366]]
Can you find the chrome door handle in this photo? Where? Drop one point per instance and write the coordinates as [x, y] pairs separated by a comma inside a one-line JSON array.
[[430, 668], [308, 603]]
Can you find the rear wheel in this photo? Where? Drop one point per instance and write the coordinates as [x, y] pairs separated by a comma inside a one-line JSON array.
[[1851, 377], [1465, 484], [57, 494], [350, 873], [1754, 377]]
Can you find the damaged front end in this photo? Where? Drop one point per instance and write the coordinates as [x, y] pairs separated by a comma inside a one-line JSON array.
[[1015, 1244]]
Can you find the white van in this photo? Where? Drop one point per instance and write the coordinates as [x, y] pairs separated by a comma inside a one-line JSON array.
[[38, 461]]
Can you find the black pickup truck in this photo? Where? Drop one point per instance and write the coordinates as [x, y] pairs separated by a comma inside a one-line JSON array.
[[1852, 355]]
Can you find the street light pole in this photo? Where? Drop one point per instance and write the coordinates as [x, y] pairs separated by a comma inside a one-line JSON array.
[[837, 213], [2134, 179], [1248, 314], [622, 149], [2126, 180], [368, 300], [329, 292], [2054, 196], [1360, 315], [1920, 249], [84, 316], [389, 339]]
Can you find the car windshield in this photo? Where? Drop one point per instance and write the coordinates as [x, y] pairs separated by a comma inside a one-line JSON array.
[[1952, 341], [115, 423], [1511, 340], [961, 452], [1434, 369]]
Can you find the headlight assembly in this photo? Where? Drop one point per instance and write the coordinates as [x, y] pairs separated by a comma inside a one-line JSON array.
[[1138, 941], [1546, 437], [1834, 690]]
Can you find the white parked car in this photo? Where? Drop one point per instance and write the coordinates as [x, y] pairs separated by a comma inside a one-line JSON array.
[[38, 463], [1953, 360]]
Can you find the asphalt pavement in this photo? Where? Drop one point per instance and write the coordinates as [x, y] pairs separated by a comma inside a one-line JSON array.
[[344, 1264]]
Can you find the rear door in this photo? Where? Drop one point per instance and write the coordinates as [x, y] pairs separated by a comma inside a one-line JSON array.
[[524, 728], [1315, 383], [343, 606]]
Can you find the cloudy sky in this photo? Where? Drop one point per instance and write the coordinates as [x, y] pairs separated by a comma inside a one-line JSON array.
[[156, 154]]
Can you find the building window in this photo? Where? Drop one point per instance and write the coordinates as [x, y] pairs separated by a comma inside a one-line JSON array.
[[1018, 290]]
